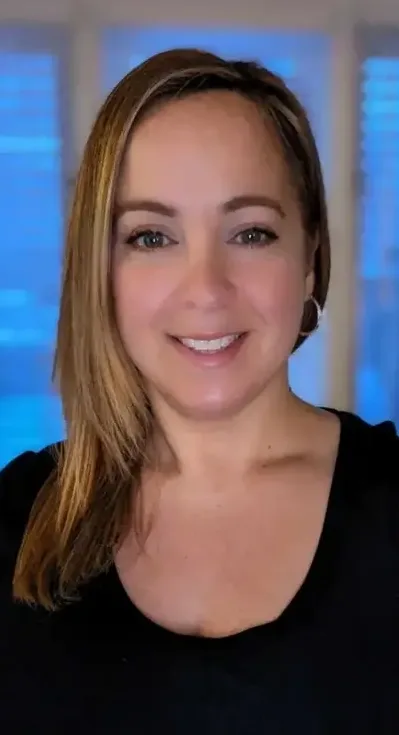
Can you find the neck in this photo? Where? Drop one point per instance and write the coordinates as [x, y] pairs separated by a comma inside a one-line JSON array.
[[233, 445]]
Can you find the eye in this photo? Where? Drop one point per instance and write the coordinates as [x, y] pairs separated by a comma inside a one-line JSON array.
[[255, 237], [148, 240]]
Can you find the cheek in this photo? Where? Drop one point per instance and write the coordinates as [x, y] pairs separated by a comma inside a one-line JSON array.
[[139, 295], [277, 291]]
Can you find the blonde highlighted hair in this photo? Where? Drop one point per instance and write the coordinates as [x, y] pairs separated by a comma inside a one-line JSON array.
[[82, 511]]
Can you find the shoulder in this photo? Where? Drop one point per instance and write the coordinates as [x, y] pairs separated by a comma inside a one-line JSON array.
[[369, 452], [20, 483], [382, 437]]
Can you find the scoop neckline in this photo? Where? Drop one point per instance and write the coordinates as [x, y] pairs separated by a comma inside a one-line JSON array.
[[304, 597]]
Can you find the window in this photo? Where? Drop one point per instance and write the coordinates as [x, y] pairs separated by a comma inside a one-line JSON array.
[[295, 56], [377, 355], [31, 221]]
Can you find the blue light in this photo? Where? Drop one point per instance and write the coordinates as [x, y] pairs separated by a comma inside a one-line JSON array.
[[377, 356], [31, 220]]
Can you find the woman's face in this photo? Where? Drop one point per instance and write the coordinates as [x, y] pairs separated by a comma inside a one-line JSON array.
[[209, 255]]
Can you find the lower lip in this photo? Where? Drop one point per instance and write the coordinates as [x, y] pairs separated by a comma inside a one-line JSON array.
[[211, 359]]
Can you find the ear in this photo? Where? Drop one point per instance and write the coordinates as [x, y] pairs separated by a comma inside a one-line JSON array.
[[309, 284]]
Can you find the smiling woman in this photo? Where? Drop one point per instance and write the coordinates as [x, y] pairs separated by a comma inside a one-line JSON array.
[[203, 539], [224, 253]]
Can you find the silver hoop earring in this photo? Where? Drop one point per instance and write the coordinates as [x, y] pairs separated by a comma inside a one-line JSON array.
[[319, 315]]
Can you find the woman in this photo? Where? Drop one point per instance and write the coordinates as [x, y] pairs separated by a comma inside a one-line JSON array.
[[205, 553]]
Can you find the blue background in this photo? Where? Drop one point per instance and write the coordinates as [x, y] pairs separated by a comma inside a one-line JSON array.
[[33, 137]]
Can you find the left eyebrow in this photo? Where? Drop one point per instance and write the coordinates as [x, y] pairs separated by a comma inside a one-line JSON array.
[[254, 200]]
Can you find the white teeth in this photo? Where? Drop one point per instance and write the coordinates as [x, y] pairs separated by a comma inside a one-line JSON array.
[[210, 345]]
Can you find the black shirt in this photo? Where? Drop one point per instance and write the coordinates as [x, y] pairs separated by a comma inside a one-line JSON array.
[[329, 665]]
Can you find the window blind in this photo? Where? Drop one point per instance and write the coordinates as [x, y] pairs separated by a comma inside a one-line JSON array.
[[293, 55], [377, 349], [31, 227]]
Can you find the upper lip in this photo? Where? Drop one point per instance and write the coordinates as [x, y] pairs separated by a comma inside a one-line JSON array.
[[209, 336]]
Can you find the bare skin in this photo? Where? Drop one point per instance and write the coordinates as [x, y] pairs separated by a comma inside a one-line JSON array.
[[236, 520], [228, 553]]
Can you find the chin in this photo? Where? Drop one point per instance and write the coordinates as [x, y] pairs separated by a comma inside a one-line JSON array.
[[210, 408]]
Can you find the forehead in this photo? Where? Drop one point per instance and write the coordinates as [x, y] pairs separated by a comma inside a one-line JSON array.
[[217, 144]]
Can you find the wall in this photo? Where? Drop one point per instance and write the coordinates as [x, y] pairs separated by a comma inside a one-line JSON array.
[[296, 13]]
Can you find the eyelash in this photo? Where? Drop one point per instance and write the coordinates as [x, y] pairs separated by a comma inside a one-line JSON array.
[[269, 234], [134, 237]]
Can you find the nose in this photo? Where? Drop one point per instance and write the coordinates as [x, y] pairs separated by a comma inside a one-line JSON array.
[[208, 284]]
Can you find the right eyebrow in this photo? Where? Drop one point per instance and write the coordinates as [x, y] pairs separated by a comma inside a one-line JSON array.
[[144, 205]]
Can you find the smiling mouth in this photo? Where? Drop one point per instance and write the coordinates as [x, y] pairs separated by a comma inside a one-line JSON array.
[[210, 346]]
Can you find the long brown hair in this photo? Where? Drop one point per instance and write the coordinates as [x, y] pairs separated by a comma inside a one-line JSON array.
[[81, 512]]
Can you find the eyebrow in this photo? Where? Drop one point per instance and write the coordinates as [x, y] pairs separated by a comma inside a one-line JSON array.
[[233, 205]]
